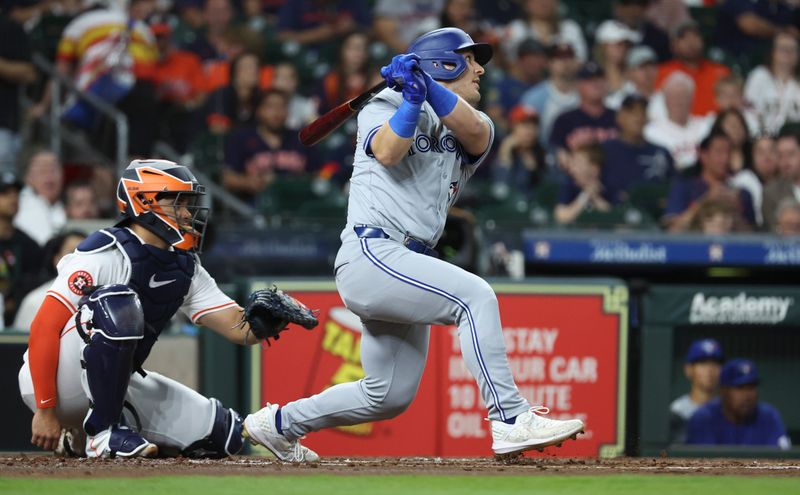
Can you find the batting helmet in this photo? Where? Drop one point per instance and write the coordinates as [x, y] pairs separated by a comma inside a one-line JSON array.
[[146, 182], [438, 52]]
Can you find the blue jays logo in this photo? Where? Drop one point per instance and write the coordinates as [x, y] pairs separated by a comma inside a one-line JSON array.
[[453, 191], [709, 346]]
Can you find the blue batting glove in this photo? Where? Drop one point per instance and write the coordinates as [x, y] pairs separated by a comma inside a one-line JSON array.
[[404, 75]]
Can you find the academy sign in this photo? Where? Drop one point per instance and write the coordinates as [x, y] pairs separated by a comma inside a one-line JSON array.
[[739, 309]]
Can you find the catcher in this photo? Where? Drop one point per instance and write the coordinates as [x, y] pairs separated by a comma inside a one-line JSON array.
[[83, 377]]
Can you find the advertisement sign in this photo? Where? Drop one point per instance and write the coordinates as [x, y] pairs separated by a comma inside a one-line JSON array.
[[303, 363], [543, 247], [566, 346]]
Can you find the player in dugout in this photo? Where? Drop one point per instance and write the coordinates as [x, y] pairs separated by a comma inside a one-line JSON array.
[[737, 417]]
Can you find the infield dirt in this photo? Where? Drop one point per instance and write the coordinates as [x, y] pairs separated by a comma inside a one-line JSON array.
[[32, 465]]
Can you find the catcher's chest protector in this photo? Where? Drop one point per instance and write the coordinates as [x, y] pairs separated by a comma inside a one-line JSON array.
[[161, 278]]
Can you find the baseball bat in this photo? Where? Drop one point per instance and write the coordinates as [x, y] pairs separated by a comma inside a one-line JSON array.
[[324, 125]]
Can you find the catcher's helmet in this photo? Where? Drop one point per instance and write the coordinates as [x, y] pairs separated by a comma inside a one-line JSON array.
[[145, 182], [438, 52]]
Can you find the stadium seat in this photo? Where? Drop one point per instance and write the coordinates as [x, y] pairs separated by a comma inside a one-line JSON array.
[[507, 214], [650, 198], [285, 194], [208, 153], [603, 220], [621, 217], [545, 194], [588, 14], [329, 210], [706, 18], [295, 199]]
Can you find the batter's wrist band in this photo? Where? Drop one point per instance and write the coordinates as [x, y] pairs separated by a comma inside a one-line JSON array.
[[404, 120], [441, 99]]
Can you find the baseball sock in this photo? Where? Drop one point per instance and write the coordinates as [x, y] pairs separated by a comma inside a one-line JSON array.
[[509, 421], [278, 421]]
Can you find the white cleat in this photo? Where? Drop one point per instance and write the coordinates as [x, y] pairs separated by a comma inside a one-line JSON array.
[[532, 431], [119, 441], [260, 429]]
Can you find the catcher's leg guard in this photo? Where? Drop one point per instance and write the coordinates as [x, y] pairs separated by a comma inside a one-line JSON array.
[[116, 326], [225, 438]]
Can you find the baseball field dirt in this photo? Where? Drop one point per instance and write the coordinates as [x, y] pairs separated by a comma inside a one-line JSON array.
[[47, 466]]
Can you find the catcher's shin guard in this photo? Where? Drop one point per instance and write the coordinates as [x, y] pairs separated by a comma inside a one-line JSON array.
[[115, 327], [225, 438]]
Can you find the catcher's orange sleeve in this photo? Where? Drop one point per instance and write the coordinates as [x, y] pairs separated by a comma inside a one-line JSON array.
[[43, 349]]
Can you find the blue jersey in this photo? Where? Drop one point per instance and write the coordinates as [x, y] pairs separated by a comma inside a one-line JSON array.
[[628, 165], [709, 426], [686, 190]]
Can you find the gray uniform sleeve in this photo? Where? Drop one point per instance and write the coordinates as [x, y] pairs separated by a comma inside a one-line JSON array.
[[371, 118], [472, 163]]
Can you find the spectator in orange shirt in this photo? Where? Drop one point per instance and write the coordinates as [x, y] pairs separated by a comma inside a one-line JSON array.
[[352, 73], [179, 85], [216, 71], [688, 50], [234, 105]]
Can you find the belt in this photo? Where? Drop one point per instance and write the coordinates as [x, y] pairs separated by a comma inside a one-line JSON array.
[[369, 232]]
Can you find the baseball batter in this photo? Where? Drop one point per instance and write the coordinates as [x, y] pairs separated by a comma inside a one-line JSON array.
[[78, 371], [419, 141]]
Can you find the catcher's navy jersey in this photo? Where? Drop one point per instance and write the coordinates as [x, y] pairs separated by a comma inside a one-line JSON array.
[[414, 195], [103, 261], [160, 277]]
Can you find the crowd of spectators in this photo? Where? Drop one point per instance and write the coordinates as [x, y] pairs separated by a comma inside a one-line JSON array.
[[599, 102], [641, 104]]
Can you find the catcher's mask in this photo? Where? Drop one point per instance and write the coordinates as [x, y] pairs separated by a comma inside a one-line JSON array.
[[145, 185]]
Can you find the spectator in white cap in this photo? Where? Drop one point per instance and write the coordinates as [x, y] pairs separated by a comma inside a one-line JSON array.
[[613, 39], [640, 78]]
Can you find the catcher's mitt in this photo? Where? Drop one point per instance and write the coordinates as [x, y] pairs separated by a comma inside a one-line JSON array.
[[269, 311]]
